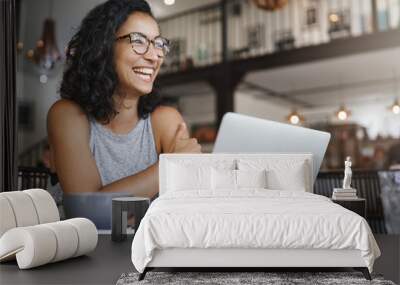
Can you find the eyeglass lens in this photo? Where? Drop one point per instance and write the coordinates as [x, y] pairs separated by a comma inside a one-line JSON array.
[[140, 44]]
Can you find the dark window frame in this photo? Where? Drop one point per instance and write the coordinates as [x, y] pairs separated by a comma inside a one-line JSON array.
[[8, 119]]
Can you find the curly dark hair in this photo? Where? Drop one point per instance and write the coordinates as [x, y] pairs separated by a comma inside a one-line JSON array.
[[89, 77]]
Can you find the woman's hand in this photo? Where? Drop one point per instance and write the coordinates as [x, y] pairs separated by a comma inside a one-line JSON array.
[[182, 143]]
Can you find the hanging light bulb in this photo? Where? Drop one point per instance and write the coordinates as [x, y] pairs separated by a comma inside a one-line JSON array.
[[295, 118], [395, 108], [43, 78], [343, 114], [169, 2], [29, 54], [20, 46], [333, 17]]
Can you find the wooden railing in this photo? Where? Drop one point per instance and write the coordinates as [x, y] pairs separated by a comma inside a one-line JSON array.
[[32, 177]]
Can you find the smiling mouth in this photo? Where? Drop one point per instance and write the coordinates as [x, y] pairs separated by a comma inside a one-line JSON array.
[[144, 73]]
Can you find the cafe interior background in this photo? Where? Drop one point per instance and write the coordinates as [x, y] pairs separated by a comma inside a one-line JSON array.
[[331, 65]]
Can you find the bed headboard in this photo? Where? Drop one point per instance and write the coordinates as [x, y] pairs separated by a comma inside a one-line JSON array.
[[277, 161]]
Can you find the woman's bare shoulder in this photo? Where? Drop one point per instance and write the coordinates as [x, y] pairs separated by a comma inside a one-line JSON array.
[[165, 121], [66, 117], [65, 107], [69, 135], [163, 110], [166, 118], [66, 113]]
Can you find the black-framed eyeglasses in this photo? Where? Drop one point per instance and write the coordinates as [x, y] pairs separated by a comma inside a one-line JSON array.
[[140, 43]]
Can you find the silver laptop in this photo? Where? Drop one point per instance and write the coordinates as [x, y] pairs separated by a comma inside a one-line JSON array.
[[244, 134]]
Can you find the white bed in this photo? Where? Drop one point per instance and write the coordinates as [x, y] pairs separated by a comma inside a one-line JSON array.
[[200, 220]]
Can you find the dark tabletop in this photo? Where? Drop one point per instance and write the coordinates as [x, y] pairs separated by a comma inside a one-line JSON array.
[[102, 266], [110, 259]]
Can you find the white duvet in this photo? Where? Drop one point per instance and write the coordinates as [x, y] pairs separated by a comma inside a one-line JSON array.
[[250, 219]]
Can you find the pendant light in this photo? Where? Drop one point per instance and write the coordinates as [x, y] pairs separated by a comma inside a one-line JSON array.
[[395, 107], [169, 2], [46, 53], [295, 118], [343, 114]]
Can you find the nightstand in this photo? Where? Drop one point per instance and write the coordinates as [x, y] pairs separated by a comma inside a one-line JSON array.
[[357, 205], [124, 209]]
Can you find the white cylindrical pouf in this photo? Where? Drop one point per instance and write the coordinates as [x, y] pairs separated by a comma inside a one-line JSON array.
[[40, 244], [23, 208], [7, 218], [87, 234], [45, 205], [34, 246], [67, 239]]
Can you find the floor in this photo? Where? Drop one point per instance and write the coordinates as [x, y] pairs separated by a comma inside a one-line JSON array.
[[389, 262], [106, 264]]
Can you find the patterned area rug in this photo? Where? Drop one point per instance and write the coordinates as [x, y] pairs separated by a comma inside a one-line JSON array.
[[229, 278]]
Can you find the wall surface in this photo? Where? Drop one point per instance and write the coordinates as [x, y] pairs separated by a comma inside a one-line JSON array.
[[262, 108]]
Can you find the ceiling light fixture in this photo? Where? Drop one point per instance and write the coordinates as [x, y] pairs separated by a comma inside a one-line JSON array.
[[333, 18], [395, 108], [169, 2], [45, 55], [20, 46], [295, 118], [343, 114], [43, 78]]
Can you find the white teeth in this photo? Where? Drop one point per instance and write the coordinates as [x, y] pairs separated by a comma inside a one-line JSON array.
[[144, 70], [144, 77]]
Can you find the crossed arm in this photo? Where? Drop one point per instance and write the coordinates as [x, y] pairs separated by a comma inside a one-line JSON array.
[[68, 132]]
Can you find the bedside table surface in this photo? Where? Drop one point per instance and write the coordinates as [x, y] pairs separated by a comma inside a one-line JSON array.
[[353, 199], [131, 199]]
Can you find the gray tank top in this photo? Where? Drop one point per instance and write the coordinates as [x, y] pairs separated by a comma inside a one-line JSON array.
[[121, 155]]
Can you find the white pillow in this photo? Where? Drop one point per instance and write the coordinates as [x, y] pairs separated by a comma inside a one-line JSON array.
[[229, 179], [223, 179], [251, 178], [293, 179], [281, 174], [182, 177]]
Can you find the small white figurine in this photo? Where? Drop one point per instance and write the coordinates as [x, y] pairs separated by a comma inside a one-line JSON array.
[[347, 173]]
